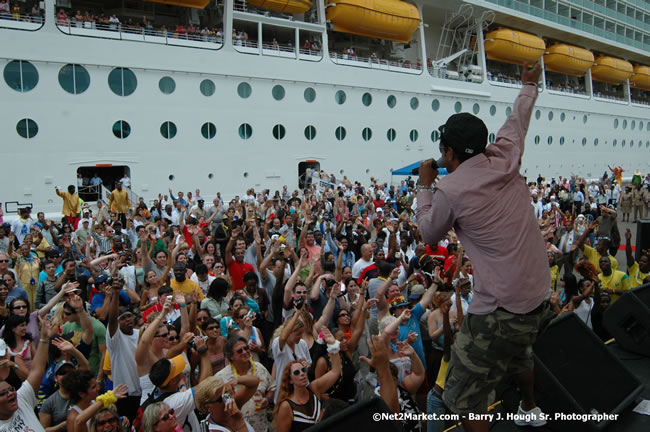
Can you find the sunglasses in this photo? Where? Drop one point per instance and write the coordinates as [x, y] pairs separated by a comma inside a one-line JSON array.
[[242, 316], [301, 292], [211, 328], [297, 371], [4, 261], [68, 313], [164, 335], [6, 391], [173, 338], [242, 349], [19, 307], [169, 414], [217, 266], [107, 421], [342, 314]]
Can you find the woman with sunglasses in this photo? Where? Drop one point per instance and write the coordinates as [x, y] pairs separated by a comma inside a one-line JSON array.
[[158, 417], [222, 402], [244, 317], [106, 420], [238, 354], [215, 344], [299, 401]]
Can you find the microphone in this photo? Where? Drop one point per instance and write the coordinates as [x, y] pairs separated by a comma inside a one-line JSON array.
[[435, 164]]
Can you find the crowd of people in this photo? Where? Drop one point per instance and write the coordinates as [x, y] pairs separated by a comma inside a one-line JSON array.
[[268, 312], [20, 12]]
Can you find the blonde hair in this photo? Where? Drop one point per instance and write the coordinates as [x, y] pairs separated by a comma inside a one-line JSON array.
[[207, 391]]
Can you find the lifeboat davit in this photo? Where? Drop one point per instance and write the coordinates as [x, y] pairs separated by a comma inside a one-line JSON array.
[[611, 70], [196, 4], [510, 46], [641, 78], [384, 19], [286, 6], [568, 59]]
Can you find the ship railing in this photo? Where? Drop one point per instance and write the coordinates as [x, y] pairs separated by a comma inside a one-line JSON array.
[[374, 63], [21, 21], [90, 192], [641, 101], [277, 50], [122, 32]]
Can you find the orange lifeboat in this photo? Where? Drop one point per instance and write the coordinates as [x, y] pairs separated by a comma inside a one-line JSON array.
[[611, 70], [286, 6], [641, 78], [384, 19], [196, 4], [568, 59], [510, 46]]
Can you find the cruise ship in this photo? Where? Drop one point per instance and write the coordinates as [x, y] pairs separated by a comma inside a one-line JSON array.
[[228, 95]]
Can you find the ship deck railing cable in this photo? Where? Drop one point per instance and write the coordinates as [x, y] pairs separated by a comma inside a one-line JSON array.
[[21, 20], [373, 62]]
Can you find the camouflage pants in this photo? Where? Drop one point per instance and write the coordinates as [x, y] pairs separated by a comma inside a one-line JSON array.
[[487, 348]]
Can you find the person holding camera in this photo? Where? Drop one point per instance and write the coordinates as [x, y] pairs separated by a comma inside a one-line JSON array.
[[223, 404]]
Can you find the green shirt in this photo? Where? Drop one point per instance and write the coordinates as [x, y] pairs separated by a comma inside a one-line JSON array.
[[99, 339]]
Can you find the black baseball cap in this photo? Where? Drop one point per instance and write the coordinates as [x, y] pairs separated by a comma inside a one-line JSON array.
[[465, 133]]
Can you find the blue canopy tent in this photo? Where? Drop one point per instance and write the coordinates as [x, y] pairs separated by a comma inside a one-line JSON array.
[[408, 170]]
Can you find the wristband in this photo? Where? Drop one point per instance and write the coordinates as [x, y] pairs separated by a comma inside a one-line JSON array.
[[43, 340], [533, 83], [202, 350], [182, 305], [334, 348], [107, 398]]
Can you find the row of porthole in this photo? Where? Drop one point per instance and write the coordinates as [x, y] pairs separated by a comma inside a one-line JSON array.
[[632, 124], [549, 141]]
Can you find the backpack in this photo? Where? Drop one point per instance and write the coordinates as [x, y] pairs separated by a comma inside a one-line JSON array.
[[137, 421]]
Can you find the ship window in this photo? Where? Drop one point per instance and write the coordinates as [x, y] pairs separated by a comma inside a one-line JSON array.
[[615, 142], [167, 85], [562, 140], [550, 115], [458, 107], [310, 132], [584, 119], [435, 136], [415, 103], [536, 139], [366, 133], [208, 130], [21, 75], [278, 92], [508, 111], [623, 143], [491, 138], [27, 128], [340, 133], [562, 117], [168, 130], [647, 144], [435, 105], [413, 135], [391, 134], [538, 114], [310, 94], [391, 101], [624, 124], [550, 140], [595, 142], [245, 131], [121, 129], [210, 176], [244, 90], [207, 87], [171, 177], [279, 131], [122, 81], [366, 99], [584, 142], [633, 125], [74, 78], [615, 123], [493, 110], [340, 97], [476, 108]]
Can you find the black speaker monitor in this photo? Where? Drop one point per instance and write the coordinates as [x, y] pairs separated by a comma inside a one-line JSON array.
[[359, 417], [642, 237], [628, 320]]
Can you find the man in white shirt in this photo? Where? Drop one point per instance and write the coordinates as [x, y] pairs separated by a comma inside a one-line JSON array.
[[121, 342], [126, 181], [537, 206], [363, 262]]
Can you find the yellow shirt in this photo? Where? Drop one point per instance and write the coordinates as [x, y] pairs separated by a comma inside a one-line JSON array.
[[42, 247], [636, 277], [617, 281], [119, 201], [555, 275], [187, 287], [442, 373], [71, 204], [593, 256]]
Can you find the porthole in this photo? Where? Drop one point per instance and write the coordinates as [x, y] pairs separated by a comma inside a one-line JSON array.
[[491, 138], [615, 143], [633, 125], [549, 141], [279, 131], [27, 128], [367, 170], [493, 110], [366, 99], [435, 106], [245, 174], [171, 177], [476, 108], [278, 92], [208, 130], [562, 117], [309, 94], [245, 131], [74, 78], [340, 97], [391, 134], [538, 114], [624, 124], [168, 130], [595, 142], [122, 81], [207, 87], [121, 129], [458, 107], [435, 136], [508, 111], [622, 143], [210, 176], [21, 75], [366, 134], [415, 103], [413, 135], [584, 142], [340, 133], [615, 123], [550, 116], [310, 132], [584, 119], [537, 139], [391, 101], [561, 140], [167, 85], [244, 90]]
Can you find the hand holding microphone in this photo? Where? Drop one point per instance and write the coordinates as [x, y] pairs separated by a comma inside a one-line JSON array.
[[428, 171]]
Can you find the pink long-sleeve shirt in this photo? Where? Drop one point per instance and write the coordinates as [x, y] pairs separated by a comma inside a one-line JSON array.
[[487, 202]]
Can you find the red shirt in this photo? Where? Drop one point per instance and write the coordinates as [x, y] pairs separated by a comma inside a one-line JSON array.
[[155, 308], [439, 252], [237, 272]]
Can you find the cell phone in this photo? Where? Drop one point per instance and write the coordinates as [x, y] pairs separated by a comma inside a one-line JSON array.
[[170, 298], [250, 314], [343, 289], [227, 398]]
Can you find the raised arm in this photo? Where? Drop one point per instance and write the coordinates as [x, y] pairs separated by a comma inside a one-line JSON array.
[[84, 320], [379, 361], [144, 345], [628, 248], [39, 361], [288, 288], [414, 380], [382, 302], [231, 242], [320, 385], [287, 329], [113, 310], [65, 289], [361, 315]]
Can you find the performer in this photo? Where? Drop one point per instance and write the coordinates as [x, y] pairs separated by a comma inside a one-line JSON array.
[[486, 201]]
